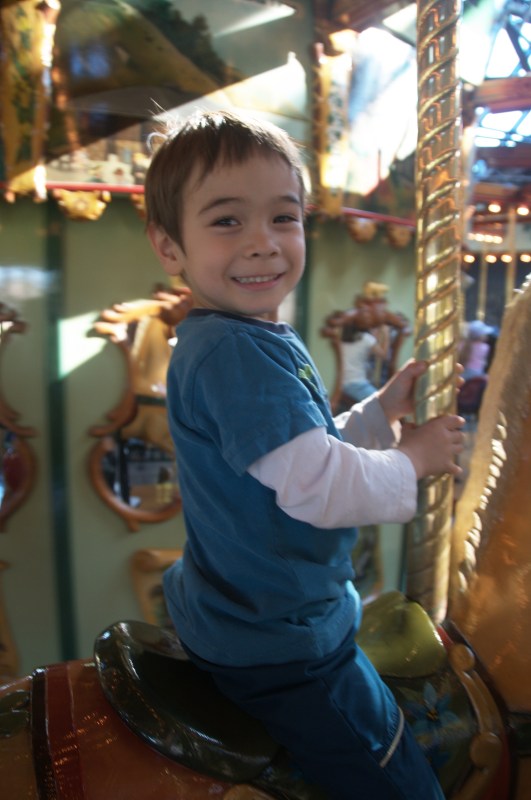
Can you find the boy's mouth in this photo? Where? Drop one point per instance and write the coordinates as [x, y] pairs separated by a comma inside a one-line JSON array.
[[257, 279]]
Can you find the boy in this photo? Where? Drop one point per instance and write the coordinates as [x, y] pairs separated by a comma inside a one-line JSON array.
[[263, 598]]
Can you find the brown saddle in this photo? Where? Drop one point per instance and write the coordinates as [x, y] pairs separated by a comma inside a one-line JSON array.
[[176, 709]]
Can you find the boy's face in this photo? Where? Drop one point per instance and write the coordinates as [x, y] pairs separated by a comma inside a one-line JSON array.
[[243, 237]]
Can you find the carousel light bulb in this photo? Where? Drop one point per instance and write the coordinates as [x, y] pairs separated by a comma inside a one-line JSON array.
[[523, 211], [506, 258], [491, 259], [494, 208]]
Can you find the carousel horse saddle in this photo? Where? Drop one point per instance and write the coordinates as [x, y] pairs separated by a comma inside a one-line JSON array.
[[177, 709], [174, 706]]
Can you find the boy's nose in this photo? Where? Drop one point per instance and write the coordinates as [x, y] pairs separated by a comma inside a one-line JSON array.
[[262, 243]]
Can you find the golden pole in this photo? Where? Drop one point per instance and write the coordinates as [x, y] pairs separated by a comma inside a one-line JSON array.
[[482, 288], [510, 273], [438, 207]]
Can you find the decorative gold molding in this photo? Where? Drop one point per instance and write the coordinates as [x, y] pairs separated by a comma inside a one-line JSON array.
[[486, 747], [147, 567]]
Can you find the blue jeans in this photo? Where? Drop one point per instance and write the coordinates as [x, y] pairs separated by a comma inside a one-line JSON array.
[[338, 720], [359, 390]]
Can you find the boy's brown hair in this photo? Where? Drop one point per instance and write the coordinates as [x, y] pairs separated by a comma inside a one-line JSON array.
[[205, 140]]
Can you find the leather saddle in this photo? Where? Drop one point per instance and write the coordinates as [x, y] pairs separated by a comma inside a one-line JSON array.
[[177, 709]]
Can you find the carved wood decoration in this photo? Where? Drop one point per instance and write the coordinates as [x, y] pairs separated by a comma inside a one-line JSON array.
[[132, 466], [17, 465], [147, 568], [370, 313]]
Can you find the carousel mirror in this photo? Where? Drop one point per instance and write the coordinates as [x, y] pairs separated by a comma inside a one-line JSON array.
[[17, 462], [132, 466]]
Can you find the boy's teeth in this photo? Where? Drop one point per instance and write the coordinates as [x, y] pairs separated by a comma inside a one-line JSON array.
[[258, 279]]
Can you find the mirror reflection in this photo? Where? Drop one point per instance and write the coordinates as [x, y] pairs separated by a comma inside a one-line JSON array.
[[17, 469], [141, 475]]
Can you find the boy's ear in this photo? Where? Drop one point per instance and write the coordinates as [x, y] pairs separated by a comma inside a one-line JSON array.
[[165, 248]]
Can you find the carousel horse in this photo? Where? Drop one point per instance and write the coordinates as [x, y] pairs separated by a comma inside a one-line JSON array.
[[139, 721], [490, 577]]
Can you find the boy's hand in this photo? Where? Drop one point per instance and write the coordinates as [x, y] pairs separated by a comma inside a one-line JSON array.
[[397, 397], [433, 446]]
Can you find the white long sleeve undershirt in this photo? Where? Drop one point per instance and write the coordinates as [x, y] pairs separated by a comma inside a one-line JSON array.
[[331, 483]]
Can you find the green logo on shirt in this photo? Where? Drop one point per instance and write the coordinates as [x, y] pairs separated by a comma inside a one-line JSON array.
[[306, 373]]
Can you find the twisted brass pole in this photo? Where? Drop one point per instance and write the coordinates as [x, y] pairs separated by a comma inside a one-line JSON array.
[[438, 210]]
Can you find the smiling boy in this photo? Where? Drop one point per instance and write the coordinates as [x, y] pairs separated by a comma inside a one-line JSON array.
[[272, 485]]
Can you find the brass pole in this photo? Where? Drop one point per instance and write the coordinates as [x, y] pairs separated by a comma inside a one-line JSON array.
[[510, 273], [439, 234], [482, 288]]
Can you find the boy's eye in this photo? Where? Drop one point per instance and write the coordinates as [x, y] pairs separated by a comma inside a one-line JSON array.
[[286, 218], [225, 221]]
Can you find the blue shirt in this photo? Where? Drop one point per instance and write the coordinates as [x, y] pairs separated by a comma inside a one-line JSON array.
[[254, 586]]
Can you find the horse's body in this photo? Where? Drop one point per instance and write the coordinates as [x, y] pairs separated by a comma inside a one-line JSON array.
[[140, 721], [490, 581], [62, 740]]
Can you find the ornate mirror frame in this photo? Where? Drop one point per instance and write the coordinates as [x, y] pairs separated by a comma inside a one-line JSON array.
[[142, 330]]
